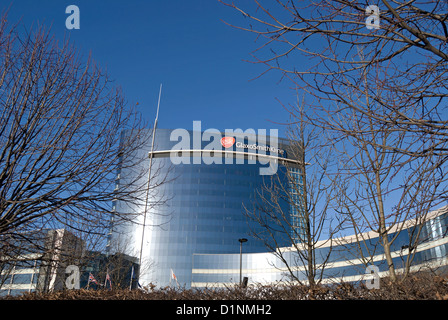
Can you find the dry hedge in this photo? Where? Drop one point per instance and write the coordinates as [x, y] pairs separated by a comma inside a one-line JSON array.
[[416, 287]]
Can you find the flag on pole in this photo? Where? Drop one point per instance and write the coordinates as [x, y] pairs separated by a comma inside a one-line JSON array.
[[173, 277], [91, 279], [107, 279]]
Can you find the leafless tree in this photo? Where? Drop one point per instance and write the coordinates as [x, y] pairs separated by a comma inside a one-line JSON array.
[[123, 264], [380, 91], [296, 205], [66, 132], [384, 188], [326, 37]]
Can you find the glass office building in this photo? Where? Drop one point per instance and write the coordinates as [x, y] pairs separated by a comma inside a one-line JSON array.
[[212, 179], [344, 259], [191, 239], [37, 261]]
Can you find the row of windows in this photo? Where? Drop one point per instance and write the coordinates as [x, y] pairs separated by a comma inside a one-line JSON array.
[[342, 271], [338, 253], [21, 278], [205, 204], [13, 292], [228, 169], [189, 192], [222, 181]]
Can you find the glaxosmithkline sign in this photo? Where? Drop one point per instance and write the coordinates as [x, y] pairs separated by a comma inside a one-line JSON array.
[[255, 146], [190, 146], [228, 142]]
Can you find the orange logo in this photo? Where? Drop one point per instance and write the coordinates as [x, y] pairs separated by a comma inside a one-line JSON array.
[[227, 142]]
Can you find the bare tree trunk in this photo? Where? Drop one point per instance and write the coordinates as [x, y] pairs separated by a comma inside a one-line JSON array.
[[307, 193]]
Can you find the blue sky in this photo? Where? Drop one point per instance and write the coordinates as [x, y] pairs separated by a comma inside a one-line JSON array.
[[184, 45]]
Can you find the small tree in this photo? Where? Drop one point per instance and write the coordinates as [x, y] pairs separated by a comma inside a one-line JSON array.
[[383, 189], [296, 204], [379, 91], [61, 138]]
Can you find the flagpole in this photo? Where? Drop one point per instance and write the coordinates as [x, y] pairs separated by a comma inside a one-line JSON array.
[[132, 275], [149, 178]]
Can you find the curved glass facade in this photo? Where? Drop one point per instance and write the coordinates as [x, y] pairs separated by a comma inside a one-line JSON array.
[[210, 184], [344, 263]]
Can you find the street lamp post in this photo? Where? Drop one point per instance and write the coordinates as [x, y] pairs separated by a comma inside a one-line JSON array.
[[242, 240]]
